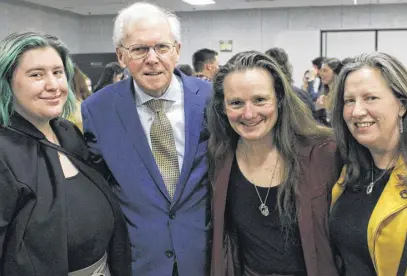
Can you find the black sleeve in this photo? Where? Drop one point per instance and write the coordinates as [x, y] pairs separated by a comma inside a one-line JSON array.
[[9, 195]]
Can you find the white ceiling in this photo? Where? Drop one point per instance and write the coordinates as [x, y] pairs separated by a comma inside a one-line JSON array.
[[99, 7]]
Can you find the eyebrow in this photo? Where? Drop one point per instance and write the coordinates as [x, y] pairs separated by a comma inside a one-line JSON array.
[[366, 93], [232, 100], [56, 67]]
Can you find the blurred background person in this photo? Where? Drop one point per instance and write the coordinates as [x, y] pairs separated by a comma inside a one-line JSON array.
[[186, 69], [368, 222], [80, 84], [268, 162], [88, 83], [306, 79], [206, 63], [280, 55], [315, 87], [112, 73], [347, 60], [329, 72], [58, 215], [126, 73], [80, 87]]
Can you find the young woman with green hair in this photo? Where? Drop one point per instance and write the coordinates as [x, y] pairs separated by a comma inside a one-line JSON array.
[[57, 214]]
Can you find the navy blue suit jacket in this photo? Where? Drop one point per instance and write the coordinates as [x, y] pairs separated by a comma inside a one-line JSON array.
[[160, 229]]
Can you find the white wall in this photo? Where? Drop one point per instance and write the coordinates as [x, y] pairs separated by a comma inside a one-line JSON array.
[[17, 17], [296, 30]]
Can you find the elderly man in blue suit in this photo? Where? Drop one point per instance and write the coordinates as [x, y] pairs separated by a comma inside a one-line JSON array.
[[148, 135]]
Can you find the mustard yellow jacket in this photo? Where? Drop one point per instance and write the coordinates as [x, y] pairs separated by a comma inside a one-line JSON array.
[[386, 233]]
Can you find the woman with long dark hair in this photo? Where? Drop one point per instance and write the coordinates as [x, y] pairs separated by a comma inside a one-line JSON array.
[[112, 73], [272, 168]]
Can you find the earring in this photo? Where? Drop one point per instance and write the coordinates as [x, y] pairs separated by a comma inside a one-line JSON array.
[[401, 125]]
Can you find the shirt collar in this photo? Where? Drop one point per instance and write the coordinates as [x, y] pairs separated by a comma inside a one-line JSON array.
[[172, 94], [202, 77]]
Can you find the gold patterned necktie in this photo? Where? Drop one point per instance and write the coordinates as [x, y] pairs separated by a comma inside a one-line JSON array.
[[163, 146]]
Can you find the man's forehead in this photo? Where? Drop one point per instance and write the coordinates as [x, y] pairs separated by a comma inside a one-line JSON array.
[[149, 29], [155, 22]]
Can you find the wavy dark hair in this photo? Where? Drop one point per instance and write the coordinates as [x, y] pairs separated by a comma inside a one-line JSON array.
[[294, 122], [111, 70], [280, 55], [357, 157]]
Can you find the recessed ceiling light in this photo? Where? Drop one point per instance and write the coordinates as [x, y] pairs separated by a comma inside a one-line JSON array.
[[355, 2], [199, 2]]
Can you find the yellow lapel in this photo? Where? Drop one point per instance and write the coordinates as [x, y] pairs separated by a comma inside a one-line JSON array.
[[390, 202], [338, 188]]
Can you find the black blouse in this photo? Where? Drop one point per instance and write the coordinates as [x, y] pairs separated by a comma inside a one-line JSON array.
[[265, 249], [349, 223], [90, 222]]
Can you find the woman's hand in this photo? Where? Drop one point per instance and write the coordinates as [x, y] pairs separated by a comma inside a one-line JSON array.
[[320, 103]]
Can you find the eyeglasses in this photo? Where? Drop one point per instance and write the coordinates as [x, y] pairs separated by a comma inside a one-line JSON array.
[[138, 51]]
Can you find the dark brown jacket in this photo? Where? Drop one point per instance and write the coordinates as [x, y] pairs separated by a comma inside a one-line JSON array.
[[320, 169]]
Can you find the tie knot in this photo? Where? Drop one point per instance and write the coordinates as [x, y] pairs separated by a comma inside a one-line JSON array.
[[156, 105]]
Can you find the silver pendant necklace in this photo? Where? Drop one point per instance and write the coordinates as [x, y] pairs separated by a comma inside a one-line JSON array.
[[264, 209], [369, 188]]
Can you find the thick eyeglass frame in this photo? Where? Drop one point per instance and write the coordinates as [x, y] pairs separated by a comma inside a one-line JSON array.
[[154, 47]]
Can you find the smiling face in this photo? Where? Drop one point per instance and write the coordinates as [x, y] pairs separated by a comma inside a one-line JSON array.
[[39, 84], [371, 110], [152, 73], [251, 103]]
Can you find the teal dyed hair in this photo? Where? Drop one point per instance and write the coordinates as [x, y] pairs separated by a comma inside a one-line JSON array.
[[11, 49]]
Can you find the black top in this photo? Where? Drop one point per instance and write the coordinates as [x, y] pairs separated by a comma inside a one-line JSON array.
[[349, 223], [90, 222], [263, 246], [33, 202]]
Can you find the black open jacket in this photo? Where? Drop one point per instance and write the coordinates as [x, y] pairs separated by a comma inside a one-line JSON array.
[[33, 238]]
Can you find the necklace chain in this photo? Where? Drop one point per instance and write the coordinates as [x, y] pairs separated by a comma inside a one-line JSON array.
[[263, 207], [369, 188]]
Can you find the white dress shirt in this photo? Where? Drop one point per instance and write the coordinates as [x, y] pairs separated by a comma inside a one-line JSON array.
[[174, 111], [316, 83]]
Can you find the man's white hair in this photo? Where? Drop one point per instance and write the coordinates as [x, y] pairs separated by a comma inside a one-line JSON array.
[[139, 11]]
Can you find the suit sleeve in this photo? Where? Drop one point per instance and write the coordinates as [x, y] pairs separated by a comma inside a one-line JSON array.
[[9, 195], [92, 141]]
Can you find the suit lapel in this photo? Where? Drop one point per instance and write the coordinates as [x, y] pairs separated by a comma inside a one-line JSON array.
[[194, 105], [127, 111]]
